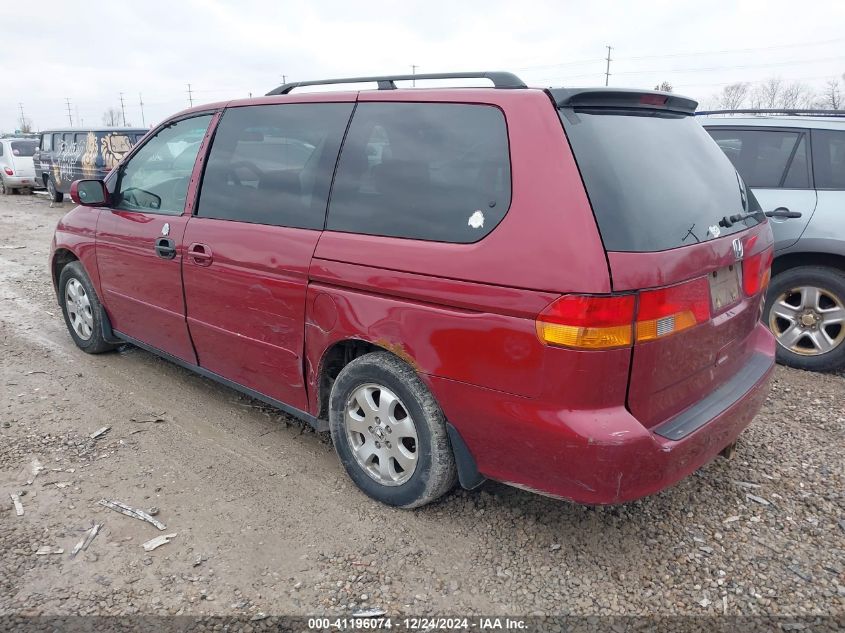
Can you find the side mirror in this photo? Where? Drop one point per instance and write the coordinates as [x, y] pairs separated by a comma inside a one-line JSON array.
[[89, 193]]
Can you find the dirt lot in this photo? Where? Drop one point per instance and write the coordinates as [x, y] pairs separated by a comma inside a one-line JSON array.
[[266, 520]]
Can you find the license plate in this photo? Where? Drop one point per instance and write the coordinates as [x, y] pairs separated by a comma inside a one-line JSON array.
[[724, 287]]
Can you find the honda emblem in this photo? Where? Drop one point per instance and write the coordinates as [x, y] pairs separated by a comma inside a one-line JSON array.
[[739, 251]]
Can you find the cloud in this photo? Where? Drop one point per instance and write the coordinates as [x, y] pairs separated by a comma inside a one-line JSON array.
[[91, 52]]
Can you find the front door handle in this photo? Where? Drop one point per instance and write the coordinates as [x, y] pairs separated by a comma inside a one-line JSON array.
[[200, 254], [165, 248]]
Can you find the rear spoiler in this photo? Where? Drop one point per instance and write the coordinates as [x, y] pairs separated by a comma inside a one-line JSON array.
[[621, 98]]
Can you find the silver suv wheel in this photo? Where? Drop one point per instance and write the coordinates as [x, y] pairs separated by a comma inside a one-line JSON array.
[[808, 320]]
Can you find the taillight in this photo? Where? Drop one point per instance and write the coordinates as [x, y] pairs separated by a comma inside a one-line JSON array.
[[588, 322], [756, 272], [670, 310], [8, 171], [607, 322]]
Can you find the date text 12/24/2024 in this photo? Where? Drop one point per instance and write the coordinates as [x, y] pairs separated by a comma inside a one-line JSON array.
[[417, 624]]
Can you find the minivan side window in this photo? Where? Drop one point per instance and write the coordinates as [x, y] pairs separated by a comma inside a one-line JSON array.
[[57, 142], [829, 159], [156, 178], [46, 142], [273, 164], [426, 171], [768, 159]]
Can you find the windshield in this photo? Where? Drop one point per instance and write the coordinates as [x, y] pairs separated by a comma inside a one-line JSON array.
[[24, 148], [656, 180]]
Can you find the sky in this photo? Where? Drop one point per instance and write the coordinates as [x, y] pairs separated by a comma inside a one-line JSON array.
[[89, 52]]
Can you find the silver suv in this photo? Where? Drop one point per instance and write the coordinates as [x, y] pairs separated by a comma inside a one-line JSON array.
[[794, 162]]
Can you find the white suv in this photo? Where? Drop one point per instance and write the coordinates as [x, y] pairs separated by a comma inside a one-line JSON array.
[[794, 162]]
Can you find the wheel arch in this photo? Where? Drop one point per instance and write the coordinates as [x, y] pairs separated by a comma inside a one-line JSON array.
[[788, 261], [61, 258], [340, 353]]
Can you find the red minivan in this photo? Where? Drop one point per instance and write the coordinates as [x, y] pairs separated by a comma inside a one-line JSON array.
[[556, 289]]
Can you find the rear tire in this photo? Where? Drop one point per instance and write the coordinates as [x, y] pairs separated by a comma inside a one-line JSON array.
[[394, 444], [4, 190], [55, 194], [805, 309], [82, 310]]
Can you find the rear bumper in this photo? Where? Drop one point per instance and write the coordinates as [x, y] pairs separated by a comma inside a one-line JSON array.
[[19, 181], [602, 456]]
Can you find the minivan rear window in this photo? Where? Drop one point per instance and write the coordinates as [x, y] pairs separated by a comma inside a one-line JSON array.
[[656, 180]]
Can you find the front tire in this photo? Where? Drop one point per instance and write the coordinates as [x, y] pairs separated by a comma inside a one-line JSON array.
[[805, 309], [390, 433], [55, 194], [82, 310]]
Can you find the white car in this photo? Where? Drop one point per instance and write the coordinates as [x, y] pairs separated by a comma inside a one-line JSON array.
[[16, 169]]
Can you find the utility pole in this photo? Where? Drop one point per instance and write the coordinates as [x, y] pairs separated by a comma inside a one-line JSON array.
[[141, 101], [414, 73], [69, 115], [122, 110], [607, 70], [190, 96], [23, 118], [284, 79]]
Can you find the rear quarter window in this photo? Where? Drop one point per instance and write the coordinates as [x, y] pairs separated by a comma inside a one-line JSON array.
[[426, 171], [829, 159]]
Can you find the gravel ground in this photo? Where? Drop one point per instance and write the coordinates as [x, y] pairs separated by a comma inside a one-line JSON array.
[[266, 521]]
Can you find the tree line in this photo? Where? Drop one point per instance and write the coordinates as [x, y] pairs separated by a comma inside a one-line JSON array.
[[775, 93]]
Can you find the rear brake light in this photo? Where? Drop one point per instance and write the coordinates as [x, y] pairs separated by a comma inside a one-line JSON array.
[[670, 310], [756, 272], [606, 322], [8, 171], [588, 322], [653, 100]]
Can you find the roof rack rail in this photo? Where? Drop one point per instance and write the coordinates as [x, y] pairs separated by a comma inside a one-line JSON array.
[[782, 111], [386, 82]]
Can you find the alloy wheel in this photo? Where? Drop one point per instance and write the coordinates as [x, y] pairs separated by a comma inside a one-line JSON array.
[[808, 320], [78, 308], [381, 434]]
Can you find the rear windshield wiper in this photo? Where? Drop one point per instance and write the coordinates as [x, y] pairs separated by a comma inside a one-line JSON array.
[[780, 212]]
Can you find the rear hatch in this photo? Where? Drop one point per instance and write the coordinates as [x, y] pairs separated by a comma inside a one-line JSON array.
[[22, 153], [681, 232]]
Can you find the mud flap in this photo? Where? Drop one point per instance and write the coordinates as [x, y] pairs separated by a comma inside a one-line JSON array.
[[108, 334], [468, 473]]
